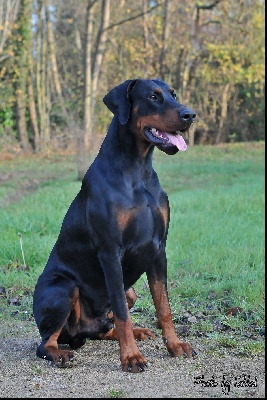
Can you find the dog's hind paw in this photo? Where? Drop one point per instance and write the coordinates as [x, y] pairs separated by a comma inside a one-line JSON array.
[[143, 334], [179, 349], [64, 359]]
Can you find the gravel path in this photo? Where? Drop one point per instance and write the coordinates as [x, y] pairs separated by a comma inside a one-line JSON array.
[[97, 373]]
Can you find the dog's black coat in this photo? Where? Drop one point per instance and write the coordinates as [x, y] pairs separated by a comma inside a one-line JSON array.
[[114, 231]]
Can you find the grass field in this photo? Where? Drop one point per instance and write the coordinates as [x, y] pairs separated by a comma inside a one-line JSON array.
[[216, 241]]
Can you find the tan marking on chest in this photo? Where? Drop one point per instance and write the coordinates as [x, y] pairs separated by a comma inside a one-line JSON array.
[[124, 217], [164, 212]]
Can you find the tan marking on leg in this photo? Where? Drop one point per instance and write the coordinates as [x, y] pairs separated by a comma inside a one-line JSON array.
[[162, 306], [52, 341], [174, 345], [76, 306], [61, 358], [130, 297], [110, 335], [131, 358]]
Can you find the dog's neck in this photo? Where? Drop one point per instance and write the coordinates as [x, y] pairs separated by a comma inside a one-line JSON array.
[[120, 146], [133, 150]]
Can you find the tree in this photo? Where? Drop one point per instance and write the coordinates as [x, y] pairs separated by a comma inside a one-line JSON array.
[[22, 49]]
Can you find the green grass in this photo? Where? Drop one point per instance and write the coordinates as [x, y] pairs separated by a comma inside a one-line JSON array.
[[117, 393], [215, 245]]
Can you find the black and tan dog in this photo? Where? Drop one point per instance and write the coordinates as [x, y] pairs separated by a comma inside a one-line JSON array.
[[114, 231]]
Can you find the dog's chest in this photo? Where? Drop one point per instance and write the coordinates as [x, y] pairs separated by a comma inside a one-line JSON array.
[[145, 219]]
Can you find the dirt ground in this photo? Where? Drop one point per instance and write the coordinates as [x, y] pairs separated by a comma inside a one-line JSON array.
[[96, 371]]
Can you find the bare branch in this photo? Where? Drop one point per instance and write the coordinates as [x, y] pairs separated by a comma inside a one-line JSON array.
[[133, 17], [4, 57], [212, 21], [201, 6]]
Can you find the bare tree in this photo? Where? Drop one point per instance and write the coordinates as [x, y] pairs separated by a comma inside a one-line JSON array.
[[41, 78], [8, 14], [220, 137], [92, 69], [52, 50], [165, 37], [32, 108], [21, 72], [83, 137]]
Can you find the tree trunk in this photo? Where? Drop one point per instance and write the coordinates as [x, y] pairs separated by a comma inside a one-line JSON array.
[[165, 38], [178, 73], [24, 24], [39, 91], [191, 135], [31, 98], [21, 116], [8, 14], [33, 114], [41, 78], [146, 37], [87, 117], [83, 137], [92, 70], [52, 52], [100, 48], [99, 56], [192, 61], [221, 133]]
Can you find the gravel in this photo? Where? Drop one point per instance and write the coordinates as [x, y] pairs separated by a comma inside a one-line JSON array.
[[96, 371]]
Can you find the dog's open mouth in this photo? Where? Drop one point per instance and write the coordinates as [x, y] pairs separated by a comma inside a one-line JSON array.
[[164, 138]]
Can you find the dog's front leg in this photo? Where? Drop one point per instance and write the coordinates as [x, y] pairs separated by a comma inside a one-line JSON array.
[[158, 287], [131, 358]]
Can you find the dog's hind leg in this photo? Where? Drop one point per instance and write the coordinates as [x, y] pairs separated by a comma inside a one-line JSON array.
[[48, 349], [130, 297], [52, 308], [139, 333]]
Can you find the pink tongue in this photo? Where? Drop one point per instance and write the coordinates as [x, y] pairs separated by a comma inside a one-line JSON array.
[[178, 141]]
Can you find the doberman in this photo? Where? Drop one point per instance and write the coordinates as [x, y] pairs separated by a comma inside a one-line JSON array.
[[114, 231]]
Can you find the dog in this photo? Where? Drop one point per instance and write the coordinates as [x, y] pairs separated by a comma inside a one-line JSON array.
[[114, 231]]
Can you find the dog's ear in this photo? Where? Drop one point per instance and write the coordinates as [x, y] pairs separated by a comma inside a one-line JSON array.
[[117, 100]]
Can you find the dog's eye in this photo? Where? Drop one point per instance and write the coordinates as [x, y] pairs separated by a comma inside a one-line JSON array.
[[153, 97], [174, 95]]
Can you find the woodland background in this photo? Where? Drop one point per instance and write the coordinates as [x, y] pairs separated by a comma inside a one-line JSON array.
[[58, 58]]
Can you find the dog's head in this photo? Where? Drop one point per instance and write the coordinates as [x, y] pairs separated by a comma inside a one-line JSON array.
[[152, 108]]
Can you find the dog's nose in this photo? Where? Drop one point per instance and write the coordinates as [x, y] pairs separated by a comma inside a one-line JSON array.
[[188, 115]]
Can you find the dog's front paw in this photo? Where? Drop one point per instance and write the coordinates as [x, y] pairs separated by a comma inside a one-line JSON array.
[[178, 349], [133, 363]]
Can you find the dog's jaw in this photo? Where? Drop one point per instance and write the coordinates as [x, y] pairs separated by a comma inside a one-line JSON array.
[[168, 142]]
